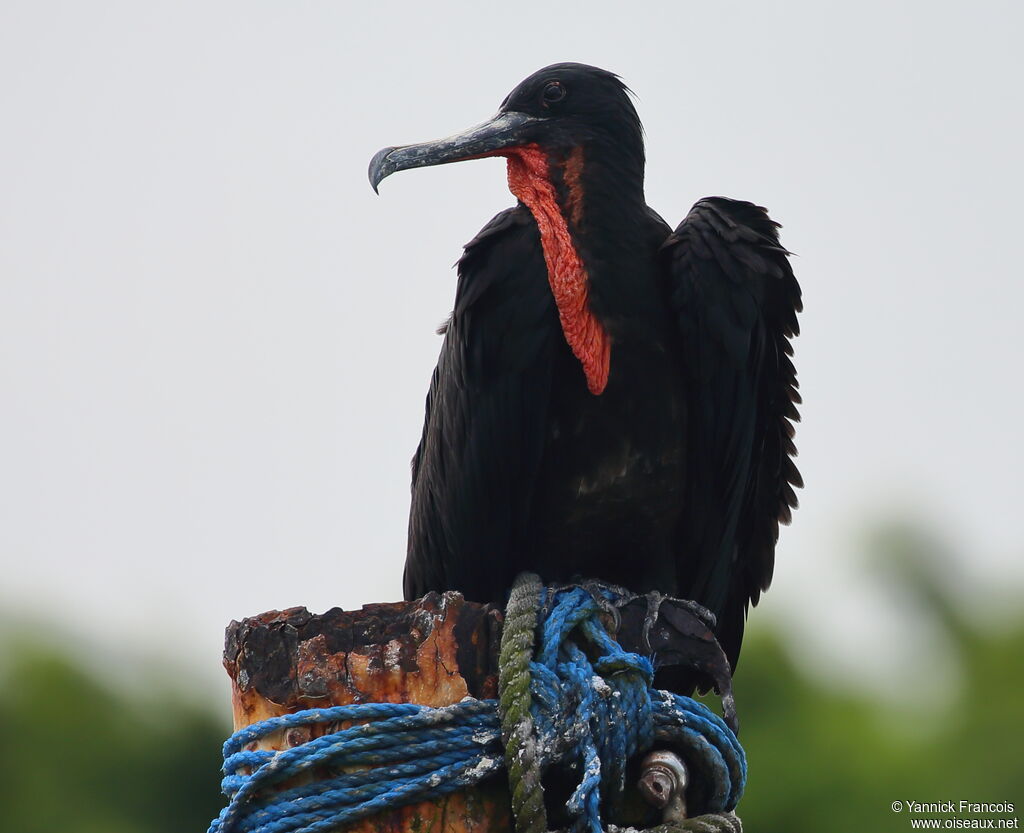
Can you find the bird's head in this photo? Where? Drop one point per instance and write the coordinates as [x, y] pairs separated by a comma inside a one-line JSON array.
[[567, 118], [575, 155]]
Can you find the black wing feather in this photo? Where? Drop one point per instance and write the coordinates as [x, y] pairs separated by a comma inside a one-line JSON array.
[[475, 470], [736, 300]]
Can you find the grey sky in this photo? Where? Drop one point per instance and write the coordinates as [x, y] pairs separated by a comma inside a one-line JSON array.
[[215, 340]]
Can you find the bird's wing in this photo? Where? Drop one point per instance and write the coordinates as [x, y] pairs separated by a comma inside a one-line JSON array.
[[732, 290], [483, 435]]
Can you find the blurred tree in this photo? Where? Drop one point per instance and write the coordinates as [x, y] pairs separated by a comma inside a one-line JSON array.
[[824, 760], [76, 757]]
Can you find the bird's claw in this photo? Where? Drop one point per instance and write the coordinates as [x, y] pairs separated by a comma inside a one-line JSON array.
[[598, 592], [654, 600], [701, 612]]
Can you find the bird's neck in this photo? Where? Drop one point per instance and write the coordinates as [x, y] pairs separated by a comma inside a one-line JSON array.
[[559, 193]]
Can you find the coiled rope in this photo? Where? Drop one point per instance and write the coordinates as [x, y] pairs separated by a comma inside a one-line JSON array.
[[568, 695]]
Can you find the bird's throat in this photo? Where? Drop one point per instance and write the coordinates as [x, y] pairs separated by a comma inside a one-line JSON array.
[[530, 180]]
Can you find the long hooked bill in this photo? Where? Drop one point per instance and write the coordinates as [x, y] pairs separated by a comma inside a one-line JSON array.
[[505, 130]]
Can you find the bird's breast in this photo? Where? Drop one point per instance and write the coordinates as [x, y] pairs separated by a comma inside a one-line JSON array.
[[611, 481]]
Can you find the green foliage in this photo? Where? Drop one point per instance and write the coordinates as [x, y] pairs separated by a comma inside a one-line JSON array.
[[76, 757], [824, 761], [827, 761]]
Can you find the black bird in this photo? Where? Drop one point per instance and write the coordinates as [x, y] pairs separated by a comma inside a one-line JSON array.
[[613, 399]]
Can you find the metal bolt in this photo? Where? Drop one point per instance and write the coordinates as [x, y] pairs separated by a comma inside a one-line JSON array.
[[663, 780]]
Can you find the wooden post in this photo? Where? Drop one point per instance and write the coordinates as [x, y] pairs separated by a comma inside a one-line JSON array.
[[433, 651]]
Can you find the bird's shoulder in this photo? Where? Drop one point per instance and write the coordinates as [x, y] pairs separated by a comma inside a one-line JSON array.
[[514, 223], [724, 262], [738, 235], [502, 280]]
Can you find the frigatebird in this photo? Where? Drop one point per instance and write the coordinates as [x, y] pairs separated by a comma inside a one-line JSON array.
[[613, 399]]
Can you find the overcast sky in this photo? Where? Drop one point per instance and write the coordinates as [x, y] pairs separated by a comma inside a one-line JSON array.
[[215, 340]]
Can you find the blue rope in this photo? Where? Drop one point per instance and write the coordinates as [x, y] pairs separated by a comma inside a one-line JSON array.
[[593, 708]]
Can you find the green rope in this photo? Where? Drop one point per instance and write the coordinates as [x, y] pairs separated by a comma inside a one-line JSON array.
[[517, 729], [514, 703], [709, 823]]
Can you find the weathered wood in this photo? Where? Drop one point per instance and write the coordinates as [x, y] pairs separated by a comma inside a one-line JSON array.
[[434, 652]]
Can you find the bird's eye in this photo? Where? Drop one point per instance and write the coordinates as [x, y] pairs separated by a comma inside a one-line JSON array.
[[553, 92]]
